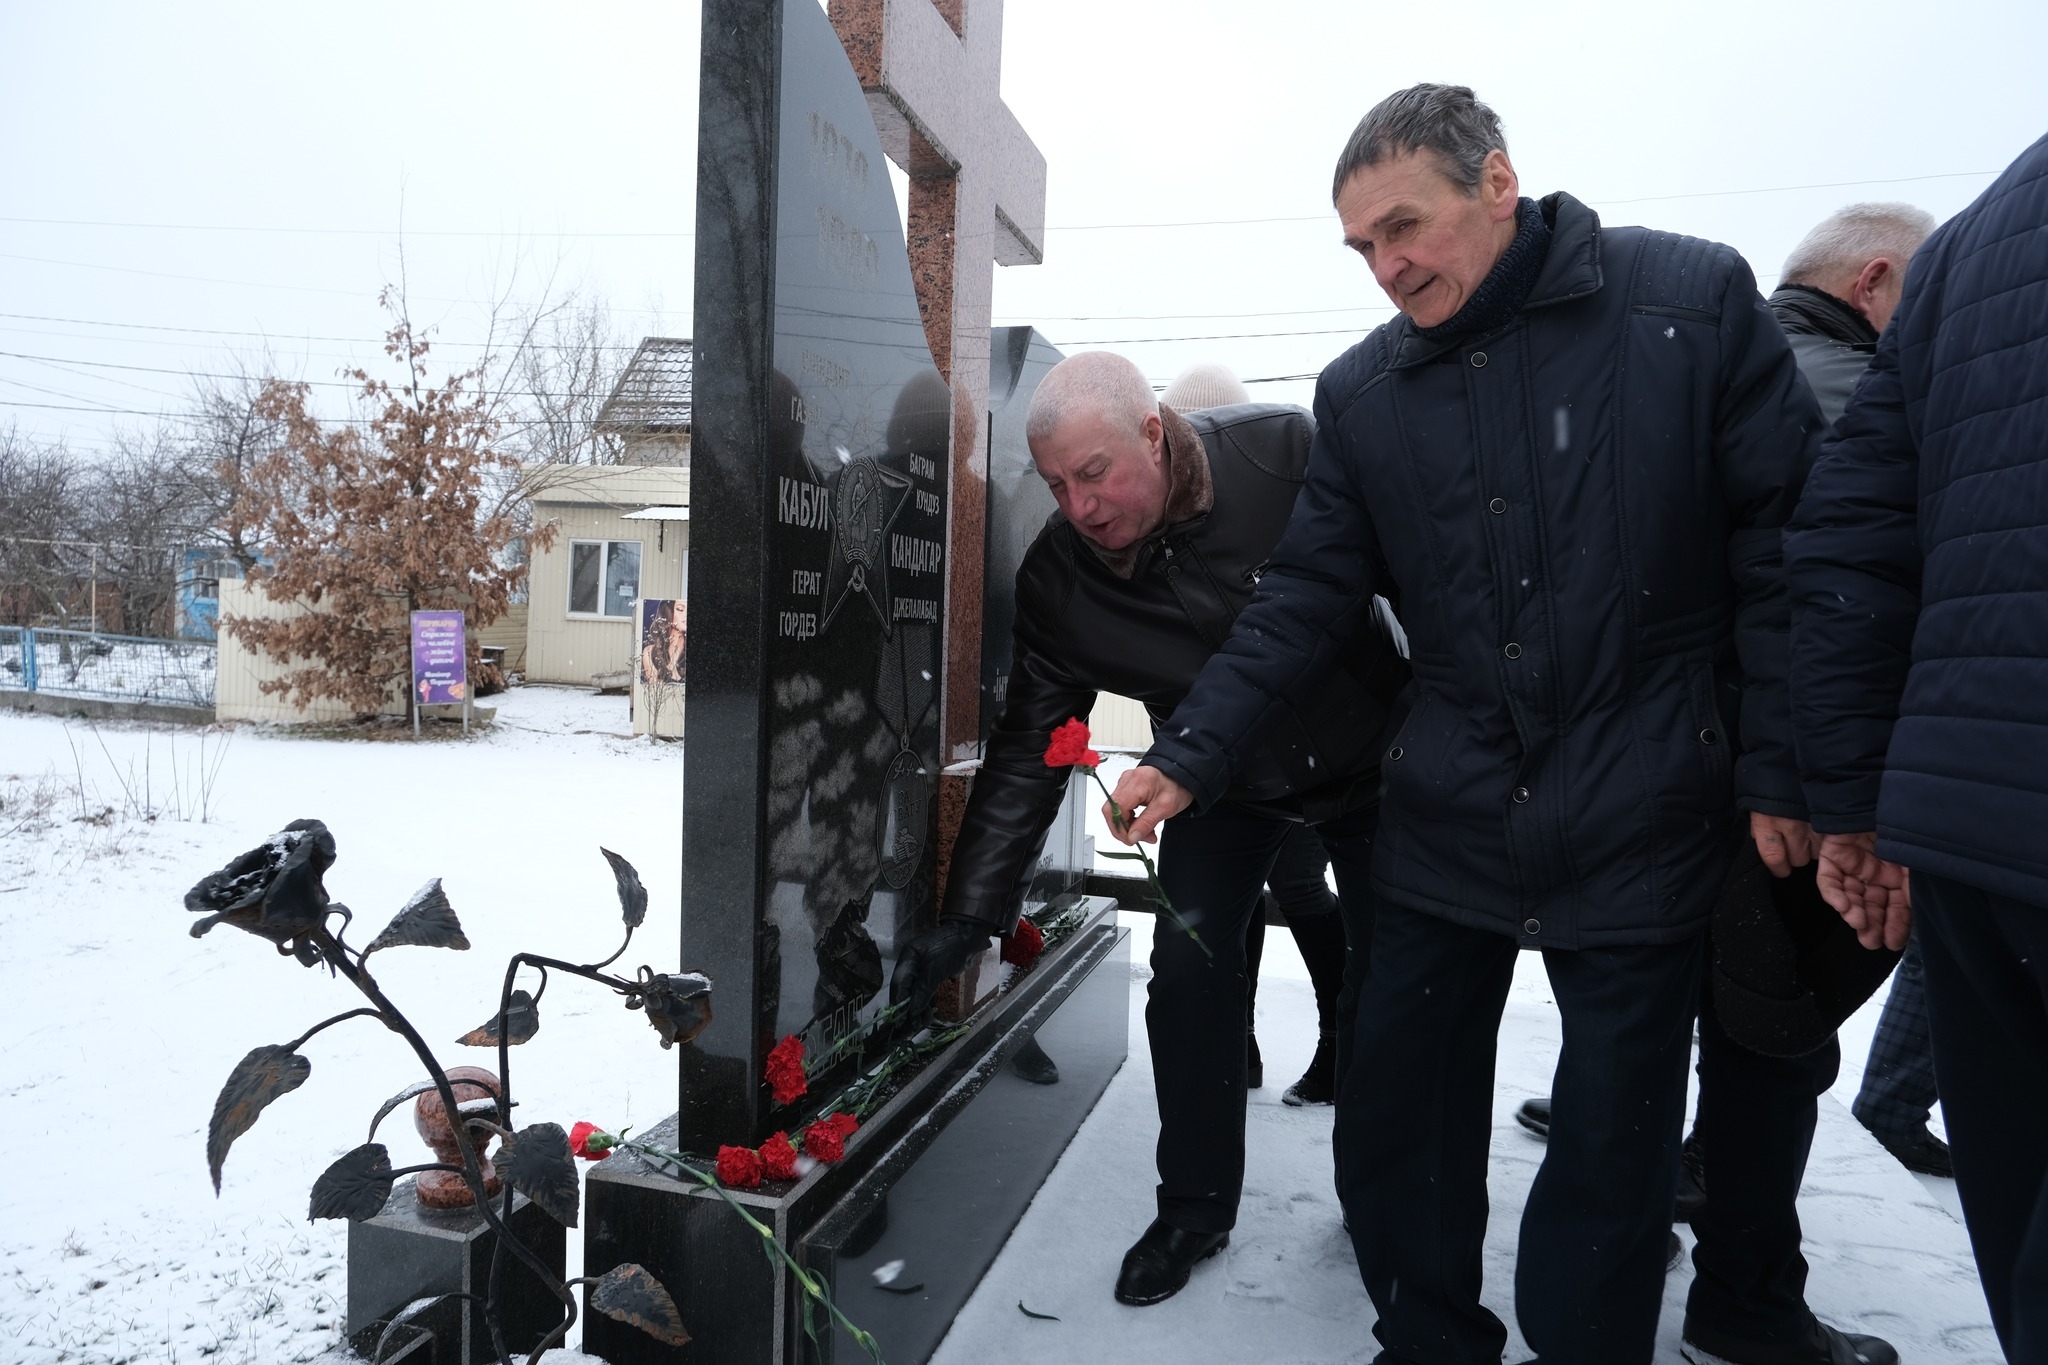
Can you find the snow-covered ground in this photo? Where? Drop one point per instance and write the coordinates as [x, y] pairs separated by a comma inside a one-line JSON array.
[[117, 1029]]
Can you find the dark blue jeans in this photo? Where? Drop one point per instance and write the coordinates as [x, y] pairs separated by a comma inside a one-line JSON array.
[[1213, 867], [1987, 997], [1415, 1120]]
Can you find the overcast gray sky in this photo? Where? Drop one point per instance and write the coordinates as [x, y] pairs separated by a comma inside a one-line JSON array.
[[182, 184]]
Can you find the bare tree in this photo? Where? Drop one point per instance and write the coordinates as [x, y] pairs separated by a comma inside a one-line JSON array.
[[566, 361], [39, 496]]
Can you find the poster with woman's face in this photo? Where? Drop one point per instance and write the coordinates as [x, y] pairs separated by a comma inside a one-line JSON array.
[[663, 634]]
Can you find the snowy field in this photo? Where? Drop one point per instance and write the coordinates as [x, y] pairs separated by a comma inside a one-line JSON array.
[[117, 1029]]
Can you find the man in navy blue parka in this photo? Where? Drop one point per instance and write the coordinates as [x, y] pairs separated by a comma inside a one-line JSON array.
[[1918, 569], [1569, 462]]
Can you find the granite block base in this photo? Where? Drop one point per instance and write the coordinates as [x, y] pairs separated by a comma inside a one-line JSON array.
[[411, 1252]]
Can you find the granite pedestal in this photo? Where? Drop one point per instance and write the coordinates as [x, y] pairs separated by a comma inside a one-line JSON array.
[[411, 1252]]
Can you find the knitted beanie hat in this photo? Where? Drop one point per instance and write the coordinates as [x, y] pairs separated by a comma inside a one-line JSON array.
[[1208, 385], [1787, 970]]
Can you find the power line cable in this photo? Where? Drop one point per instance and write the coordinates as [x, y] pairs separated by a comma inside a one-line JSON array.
[[1050, 227]]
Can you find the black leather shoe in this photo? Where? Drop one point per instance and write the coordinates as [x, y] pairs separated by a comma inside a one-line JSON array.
[[1254, 1065], [1535, 1116], [1674, 1252], [1829, 1348], [1033, 1065], [1318, 1084], [1922, 1152], [1158, 1267]]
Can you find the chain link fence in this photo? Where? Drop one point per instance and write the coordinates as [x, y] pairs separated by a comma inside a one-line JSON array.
[[78, 663]]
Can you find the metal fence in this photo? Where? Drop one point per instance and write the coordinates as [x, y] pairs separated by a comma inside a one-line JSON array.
[[79, 663]]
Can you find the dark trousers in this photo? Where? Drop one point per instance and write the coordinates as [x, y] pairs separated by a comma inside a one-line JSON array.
[[1987, 997], [1898, 1086], [1213, 867], [1756, 1122], [1415, 1119], [1299, 888]]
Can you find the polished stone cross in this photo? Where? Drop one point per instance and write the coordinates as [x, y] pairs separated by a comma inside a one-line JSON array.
[[931, 72]]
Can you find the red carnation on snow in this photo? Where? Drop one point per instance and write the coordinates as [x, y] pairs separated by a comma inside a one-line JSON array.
[[591, 1142], [786, 1080], [1024, 944], [826, 1139], [1069, 747], [778, 1158], [739, 1167]]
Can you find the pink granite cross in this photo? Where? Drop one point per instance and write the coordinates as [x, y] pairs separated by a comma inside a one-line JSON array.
[[931, 70]]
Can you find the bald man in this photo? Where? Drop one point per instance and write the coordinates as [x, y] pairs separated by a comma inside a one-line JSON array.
[[1164, 525]]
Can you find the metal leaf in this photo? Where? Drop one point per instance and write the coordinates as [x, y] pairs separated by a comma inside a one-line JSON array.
[[259, 1078], [522, 1021], [633, 1296], [413, 1091], [425, 921], [632, 895], [538, 1164], [356, 1186]]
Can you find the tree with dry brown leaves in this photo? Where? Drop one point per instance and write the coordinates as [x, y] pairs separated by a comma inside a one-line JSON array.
[[365, 522]]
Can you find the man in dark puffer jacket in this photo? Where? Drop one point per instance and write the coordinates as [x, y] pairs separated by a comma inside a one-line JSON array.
[[1574, 454], [1918, 566]]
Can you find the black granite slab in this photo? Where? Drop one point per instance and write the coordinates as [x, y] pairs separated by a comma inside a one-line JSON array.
[[737, 1308], [1018, 500], [818, 559]]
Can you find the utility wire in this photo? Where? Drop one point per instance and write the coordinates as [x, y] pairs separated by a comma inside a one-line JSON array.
[[1050, 227]]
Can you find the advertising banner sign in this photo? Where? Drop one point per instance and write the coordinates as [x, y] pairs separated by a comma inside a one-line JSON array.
[[440, 672]]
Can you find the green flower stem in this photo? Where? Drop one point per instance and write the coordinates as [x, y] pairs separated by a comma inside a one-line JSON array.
[[813, 1287], [1121, 820], [855, 1040]]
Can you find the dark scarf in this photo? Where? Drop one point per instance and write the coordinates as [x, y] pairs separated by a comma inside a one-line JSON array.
[[1505, 289], [1801, 308]]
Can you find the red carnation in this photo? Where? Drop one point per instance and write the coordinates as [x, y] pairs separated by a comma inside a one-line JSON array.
[[1070, 747], [826, 1139], [1024, 944], [778, 1158], [785, 1069], [739, 1167], [591, 1142]]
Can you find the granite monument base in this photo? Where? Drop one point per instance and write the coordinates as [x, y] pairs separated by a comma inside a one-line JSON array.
[[937, 1179], [411, 1252]]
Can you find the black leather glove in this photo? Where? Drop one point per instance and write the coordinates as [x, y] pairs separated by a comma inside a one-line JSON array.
[[934, 956]]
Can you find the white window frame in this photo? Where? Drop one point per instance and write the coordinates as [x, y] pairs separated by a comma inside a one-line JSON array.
[[604, 563]]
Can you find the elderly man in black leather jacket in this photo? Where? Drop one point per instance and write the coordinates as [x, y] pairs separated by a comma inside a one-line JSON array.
[[1164, 527]]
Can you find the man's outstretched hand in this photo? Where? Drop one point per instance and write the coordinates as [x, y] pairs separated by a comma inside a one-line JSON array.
[[1146, 797], [1783, 844], [1871, 894], [933, 957]]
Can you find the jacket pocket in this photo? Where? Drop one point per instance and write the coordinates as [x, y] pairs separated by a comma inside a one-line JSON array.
[[1710, 734]]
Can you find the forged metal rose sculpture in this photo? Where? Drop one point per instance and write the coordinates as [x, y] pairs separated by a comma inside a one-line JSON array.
[[276, 891], [273, 891]]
